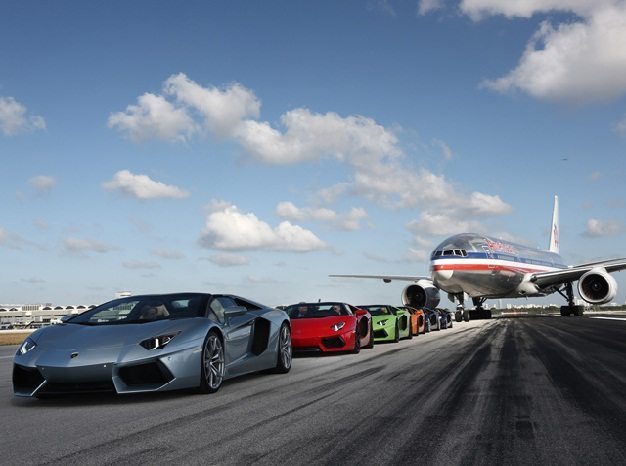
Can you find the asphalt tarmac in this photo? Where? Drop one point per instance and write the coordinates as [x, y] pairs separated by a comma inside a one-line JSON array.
[[544, 390]]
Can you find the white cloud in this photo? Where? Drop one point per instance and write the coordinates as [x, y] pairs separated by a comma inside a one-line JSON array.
[[348, 221], [7, 239], [372, 151], [13, 118], [169, 254], [223, 109], [620, 127], [142, 187], [417, 255], [230, 229], [601, 228], [33, 280], [154, 118], [311, 136], [140, 265], [426, 6], [42, 183], [228, 260], [444, 148], [254, 280], [73, 244], [580, 61], [422, 242], [438, 224]]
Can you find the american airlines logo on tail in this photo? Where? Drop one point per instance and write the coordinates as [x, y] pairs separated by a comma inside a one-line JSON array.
[[554, 232]]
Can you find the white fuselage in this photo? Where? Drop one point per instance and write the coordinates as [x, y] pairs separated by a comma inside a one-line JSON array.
[[480, 266]]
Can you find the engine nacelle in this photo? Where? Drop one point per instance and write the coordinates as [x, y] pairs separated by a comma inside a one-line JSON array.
[[421, 294], [597, 286]]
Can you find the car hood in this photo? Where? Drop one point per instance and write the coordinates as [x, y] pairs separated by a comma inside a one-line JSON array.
[[85, 337], [321, 324], [383, 317]]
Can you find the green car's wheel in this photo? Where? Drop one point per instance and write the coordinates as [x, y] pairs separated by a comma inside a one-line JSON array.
[[212, 363], [397, 337]]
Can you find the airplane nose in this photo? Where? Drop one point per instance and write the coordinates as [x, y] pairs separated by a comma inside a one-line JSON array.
[[442, 275]]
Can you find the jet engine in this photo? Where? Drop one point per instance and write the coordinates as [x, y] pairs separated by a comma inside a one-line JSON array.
[[597, 286], [421, 294]]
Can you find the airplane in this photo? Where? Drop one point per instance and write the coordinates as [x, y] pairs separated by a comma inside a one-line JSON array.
[[482, 267]]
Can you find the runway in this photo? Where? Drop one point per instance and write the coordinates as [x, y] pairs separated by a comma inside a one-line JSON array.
[[544, 390]]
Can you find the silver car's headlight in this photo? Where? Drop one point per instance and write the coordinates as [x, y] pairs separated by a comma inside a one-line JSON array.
[[158, 342], [26, 346], [338, 326]]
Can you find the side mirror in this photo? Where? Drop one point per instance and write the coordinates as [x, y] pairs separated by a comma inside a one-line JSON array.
[[361, 312], [235, 311], [65, 318]]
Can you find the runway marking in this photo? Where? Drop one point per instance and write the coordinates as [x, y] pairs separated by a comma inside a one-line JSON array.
[[6, 357], [608, 318]]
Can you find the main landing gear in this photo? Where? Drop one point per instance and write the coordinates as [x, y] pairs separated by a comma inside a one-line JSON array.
[[570, 308], [479, 311]]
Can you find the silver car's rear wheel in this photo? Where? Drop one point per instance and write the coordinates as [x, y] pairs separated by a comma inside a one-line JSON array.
[[212, 363]]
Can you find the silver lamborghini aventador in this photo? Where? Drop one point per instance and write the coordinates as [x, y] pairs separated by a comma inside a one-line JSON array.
[[153, 343]]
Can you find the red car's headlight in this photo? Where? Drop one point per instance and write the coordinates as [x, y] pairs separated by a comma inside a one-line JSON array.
[[338, 326]]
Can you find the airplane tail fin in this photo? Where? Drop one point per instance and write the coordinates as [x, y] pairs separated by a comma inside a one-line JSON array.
[[554, 231]]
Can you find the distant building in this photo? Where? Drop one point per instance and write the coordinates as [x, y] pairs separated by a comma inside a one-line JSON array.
[[24, 314]]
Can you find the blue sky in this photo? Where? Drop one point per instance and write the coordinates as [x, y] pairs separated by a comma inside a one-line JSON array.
[[256, 147]]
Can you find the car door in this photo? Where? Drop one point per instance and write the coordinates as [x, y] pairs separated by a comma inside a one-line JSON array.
[[237, 325]]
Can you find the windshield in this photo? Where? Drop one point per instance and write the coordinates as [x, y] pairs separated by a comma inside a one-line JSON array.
[[377, 310], [304, 310], [142, 309]]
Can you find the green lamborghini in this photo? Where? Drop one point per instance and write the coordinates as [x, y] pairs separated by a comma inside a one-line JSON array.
[[389, 323]]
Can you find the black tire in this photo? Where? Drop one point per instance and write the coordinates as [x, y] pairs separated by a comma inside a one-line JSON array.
[[371, 343], [466, 316], [357, 342], [212, 364], [396, 339], [283, 359], [458, 316]]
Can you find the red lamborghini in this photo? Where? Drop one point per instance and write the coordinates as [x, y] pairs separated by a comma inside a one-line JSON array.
[[329, 327]]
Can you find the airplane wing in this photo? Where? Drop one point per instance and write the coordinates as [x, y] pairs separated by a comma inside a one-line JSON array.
[[571, 274], [387, 278]]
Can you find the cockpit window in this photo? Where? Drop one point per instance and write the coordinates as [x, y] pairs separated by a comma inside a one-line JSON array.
[[451, 252]]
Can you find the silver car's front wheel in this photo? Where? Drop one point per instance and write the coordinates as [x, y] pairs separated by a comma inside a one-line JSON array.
[[212, 363]]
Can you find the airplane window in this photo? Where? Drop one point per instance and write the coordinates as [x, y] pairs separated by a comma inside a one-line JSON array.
[[457, 252], [438, 253], [448, 252], [463, 252]]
